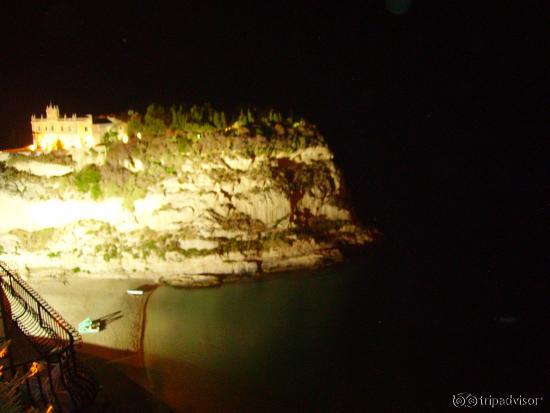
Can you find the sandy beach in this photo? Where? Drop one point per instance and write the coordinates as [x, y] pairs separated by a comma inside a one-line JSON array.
[[115, 353], [79, 298]]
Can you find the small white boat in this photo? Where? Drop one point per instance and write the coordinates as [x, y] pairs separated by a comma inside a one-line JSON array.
[[135, 292]]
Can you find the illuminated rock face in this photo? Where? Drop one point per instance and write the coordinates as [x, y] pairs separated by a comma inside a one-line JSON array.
[[199, 218]]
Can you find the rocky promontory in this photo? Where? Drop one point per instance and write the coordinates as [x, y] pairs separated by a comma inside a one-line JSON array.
[[186, 198]]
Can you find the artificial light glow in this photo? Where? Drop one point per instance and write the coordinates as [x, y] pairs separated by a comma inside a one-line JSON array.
[[48, 142], [125, 138], [89, 141], [35, 369], [4, 350], [60, 213], [139, 135]]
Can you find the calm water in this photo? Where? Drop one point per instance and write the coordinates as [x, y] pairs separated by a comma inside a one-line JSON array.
[[303, 340], [373, 334]]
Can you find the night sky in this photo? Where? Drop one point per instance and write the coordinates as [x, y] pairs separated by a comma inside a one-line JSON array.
[[430, 109], [435, 113]]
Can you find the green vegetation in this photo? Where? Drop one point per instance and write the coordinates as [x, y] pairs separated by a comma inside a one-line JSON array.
[[154, 121], [111, 252], [132, 194], [76, 269], [58, 157], [227, 245], [88, 180], [160, 138], [196, 119], [142, 243], [148, 247], [183, 143], [118, 181], [195, 252], [110, 138], [188, 125], [237, 221], [35, 240], [134, 123]]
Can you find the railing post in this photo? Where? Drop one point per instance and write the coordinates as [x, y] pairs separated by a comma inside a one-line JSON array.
[[40, 315], [38, 378], [52, 385], [5, 321], [59, 340], [73, 355]]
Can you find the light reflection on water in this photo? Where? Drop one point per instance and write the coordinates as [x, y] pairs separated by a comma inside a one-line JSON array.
[[271, 345]]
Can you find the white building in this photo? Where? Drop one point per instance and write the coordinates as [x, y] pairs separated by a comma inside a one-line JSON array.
[[56, 132]]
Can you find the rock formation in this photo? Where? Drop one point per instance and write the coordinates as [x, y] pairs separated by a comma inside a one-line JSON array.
[[188, 209]]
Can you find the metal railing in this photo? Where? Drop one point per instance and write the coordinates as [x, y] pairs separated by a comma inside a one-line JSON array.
[[25, 314]]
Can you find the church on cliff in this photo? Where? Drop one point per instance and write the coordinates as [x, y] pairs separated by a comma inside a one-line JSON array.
[[65, 132]]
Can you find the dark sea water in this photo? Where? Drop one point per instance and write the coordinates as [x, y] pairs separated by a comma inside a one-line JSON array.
[[376, 333], [299, 341]]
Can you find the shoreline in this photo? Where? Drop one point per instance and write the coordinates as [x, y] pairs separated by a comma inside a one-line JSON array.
[[122, 315], [143, 325], [125, 315], [197, 273], [115, 355]]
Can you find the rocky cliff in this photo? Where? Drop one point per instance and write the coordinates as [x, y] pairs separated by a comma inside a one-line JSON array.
[[191, 209]]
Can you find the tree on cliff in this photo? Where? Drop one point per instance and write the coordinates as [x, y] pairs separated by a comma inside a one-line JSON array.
[[154, 120]]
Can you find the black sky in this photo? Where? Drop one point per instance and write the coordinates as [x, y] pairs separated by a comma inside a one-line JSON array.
[[363, 64], [437, 108]]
